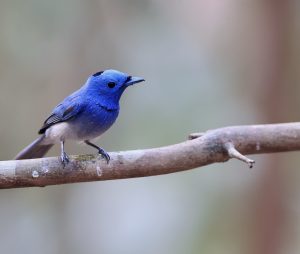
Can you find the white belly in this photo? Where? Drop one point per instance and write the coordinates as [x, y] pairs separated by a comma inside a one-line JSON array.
[[59, 132]]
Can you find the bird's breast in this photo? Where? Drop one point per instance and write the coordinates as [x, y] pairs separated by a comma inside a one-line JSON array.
[[93, 122]]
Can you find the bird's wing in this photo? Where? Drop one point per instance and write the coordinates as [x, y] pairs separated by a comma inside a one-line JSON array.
[[67, 110]]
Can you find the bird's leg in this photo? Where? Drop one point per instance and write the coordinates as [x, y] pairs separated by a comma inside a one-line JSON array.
[[100, 150], [63, 155]]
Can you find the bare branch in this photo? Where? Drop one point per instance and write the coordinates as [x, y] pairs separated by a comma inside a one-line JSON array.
[[213, 146]]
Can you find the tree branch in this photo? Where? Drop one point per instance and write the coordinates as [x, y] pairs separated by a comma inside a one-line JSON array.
[[217, 145]]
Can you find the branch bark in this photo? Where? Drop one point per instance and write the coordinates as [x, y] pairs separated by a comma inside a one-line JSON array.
[[217, 145]]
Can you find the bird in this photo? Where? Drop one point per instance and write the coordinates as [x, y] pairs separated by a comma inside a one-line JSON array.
[[84, 115]]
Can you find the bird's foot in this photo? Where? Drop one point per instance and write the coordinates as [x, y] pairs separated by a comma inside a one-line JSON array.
[[104, 154], [101, 151], [64, 158]]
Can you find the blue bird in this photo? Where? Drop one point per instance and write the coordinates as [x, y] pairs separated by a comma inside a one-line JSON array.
[[84, 115]]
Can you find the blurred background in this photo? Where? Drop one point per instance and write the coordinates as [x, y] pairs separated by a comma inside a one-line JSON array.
[[207, 64]]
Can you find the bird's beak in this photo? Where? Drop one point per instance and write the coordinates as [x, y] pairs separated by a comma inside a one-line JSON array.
[[134, 80]]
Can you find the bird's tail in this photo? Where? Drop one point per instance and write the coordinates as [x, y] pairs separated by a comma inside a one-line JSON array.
[[35, 150]]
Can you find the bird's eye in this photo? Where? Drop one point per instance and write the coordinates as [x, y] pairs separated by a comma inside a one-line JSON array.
[[111, 84]]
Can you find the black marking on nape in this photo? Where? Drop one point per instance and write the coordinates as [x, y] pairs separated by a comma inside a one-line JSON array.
[[128, 79], [97, 73]]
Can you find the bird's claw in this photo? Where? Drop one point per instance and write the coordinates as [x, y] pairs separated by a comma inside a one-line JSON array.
[[64, 158], [101, 151], [104, 154]]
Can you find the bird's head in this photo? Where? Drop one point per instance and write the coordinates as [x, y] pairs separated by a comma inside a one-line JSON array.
[[110, 84]]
